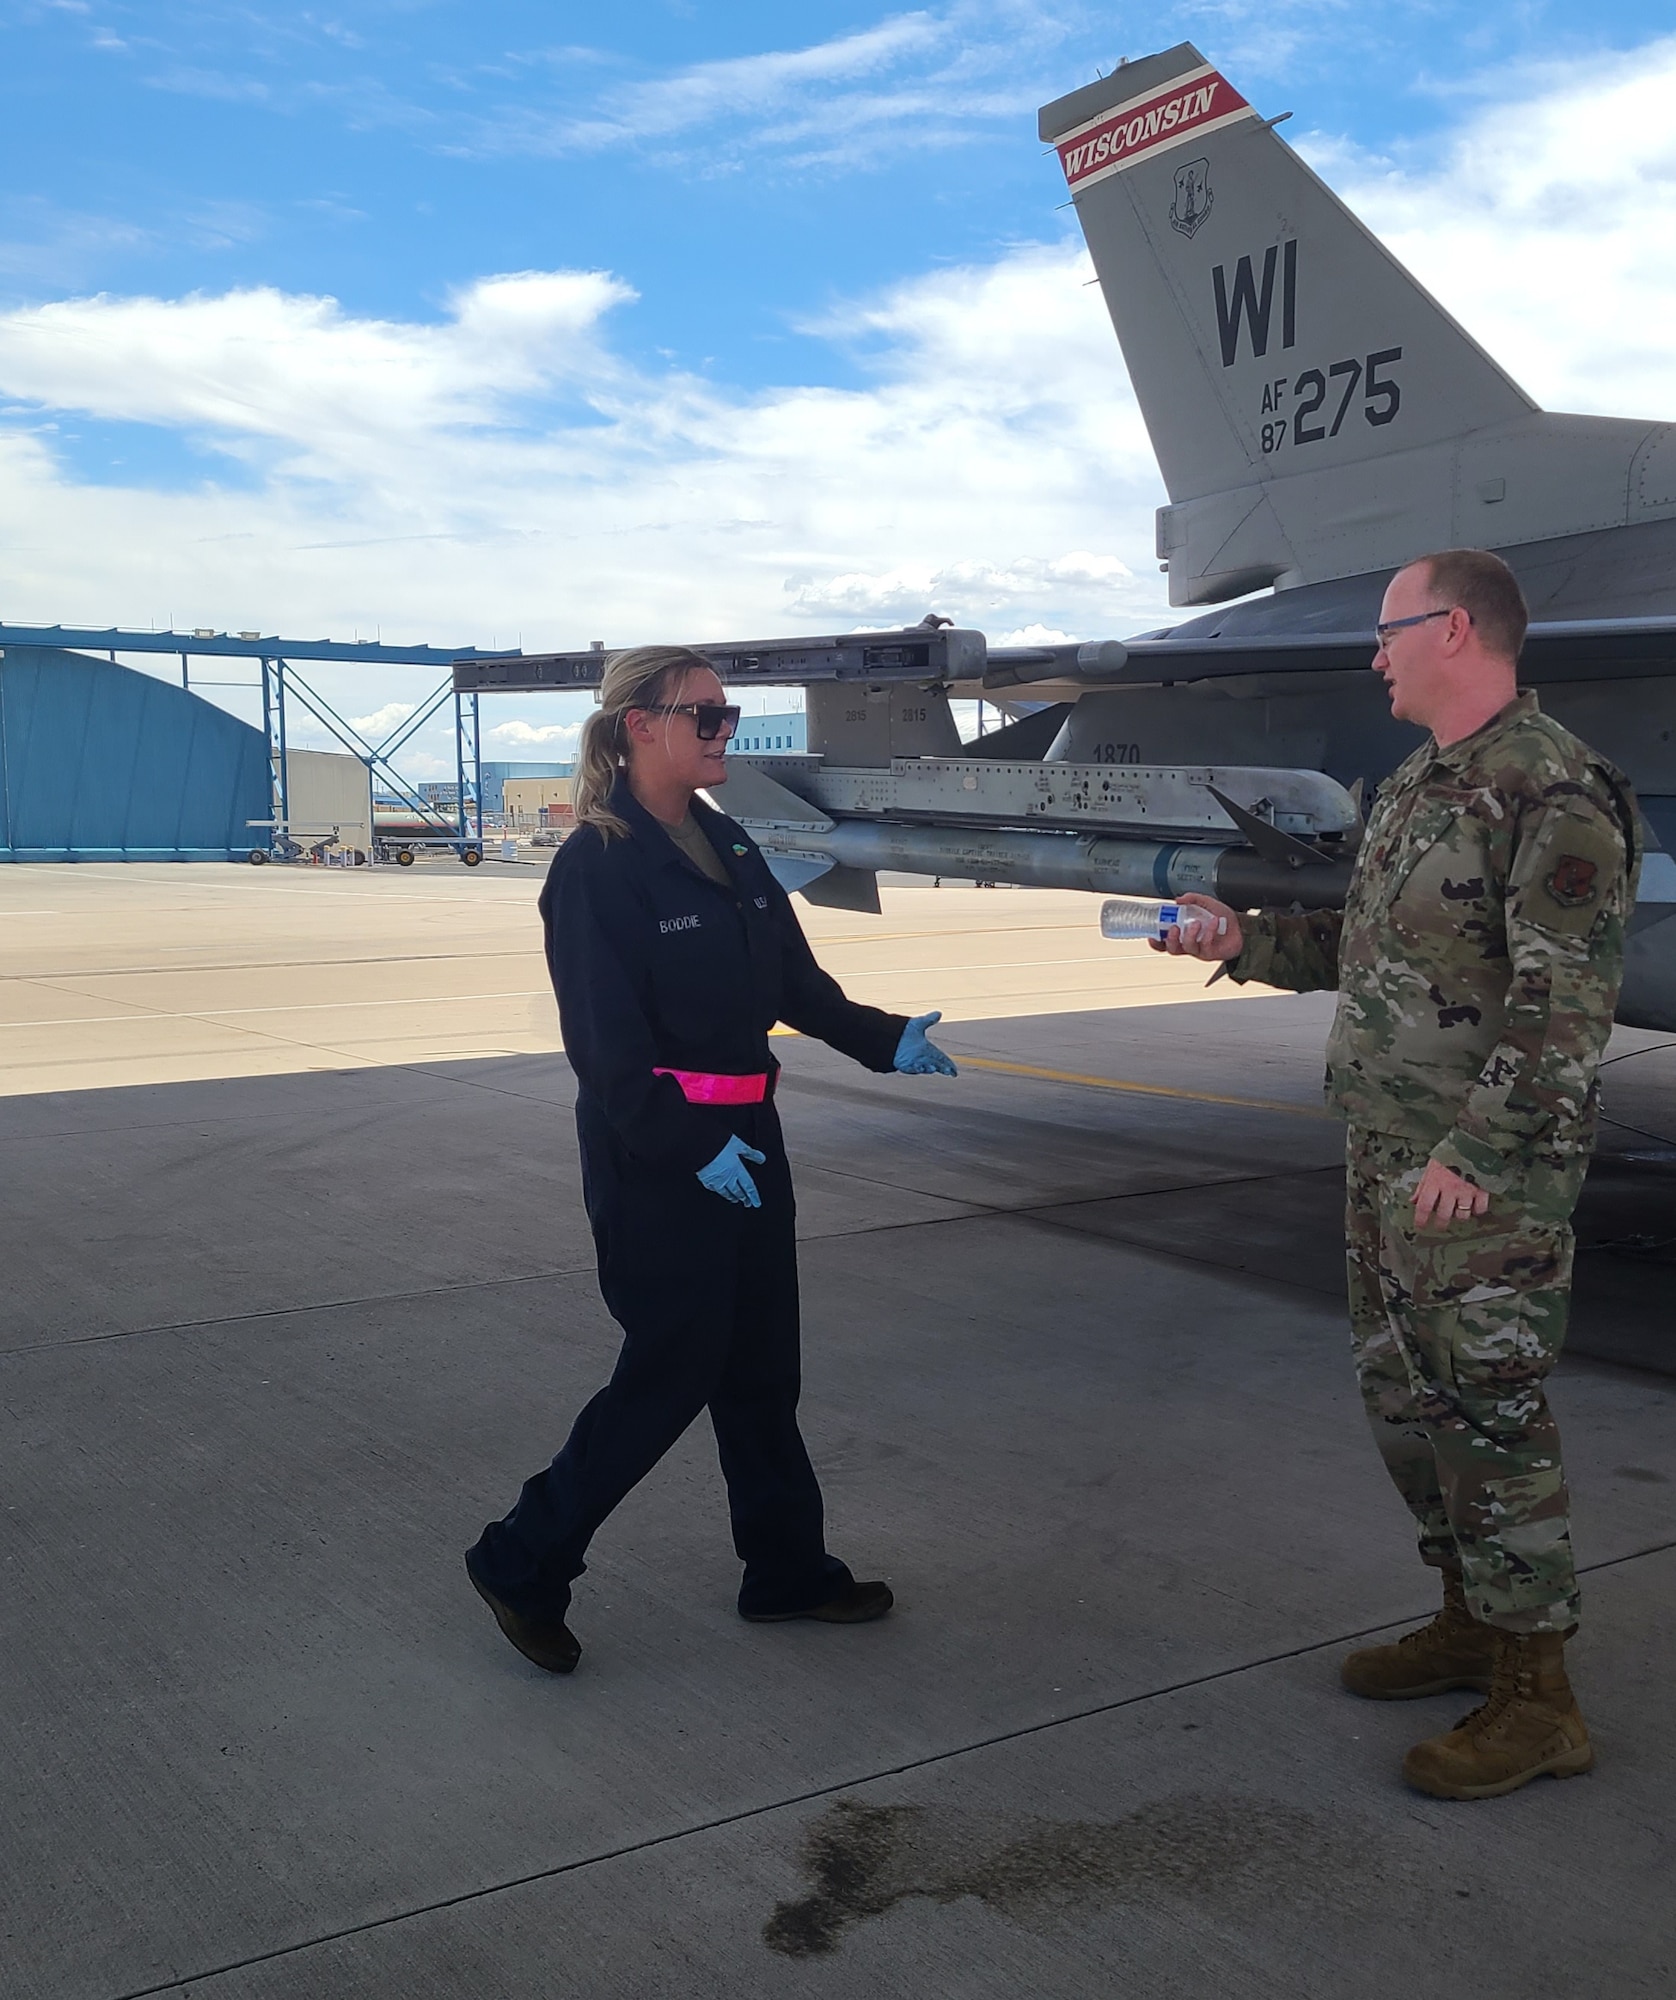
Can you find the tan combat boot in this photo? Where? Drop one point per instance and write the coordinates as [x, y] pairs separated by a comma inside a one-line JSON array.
[[1529, 1726], [1453, 1651]]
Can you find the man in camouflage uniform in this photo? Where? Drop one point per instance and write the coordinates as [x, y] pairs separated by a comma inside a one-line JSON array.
[[1477, 962]]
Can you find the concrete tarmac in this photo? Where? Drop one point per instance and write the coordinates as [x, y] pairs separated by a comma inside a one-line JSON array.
[[274, 1345], [160, 974]]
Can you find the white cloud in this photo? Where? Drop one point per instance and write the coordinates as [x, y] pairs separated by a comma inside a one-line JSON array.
[[902, 594], [378, 725], [422, 479], [924, 78], [1032, 635], [747, 85], [503, 476], [555, 740], [1548, 226], [298, 373]]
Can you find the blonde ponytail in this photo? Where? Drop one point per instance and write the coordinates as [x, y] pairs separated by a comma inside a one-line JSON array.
[[640, 678]]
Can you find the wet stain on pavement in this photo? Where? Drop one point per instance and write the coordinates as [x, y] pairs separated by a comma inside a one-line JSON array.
[[862, 1860]]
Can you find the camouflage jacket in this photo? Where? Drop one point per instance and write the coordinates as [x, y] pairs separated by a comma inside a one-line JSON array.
[[1480, 949]]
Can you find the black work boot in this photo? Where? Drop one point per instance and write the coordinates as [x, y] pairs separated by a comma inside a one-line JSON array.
[[544, 1642], [855, 1604]]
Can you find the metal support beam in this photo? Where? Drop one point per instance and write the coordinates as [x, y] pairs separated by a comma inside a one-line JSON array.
[[375, 757], [460, 762], [415, 722], [917, 653], [276, 802], [240, 646], [468, 753], [284, 769], [477, 763], [351, 738]]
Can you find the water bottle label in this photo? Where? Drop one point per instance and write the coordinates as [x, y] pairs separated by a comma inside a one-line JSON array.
[[1139, 917]]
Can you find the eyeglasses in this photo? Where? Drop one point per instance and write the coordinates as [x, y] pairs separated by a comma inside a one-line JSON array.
[[710, 718], [1382, 633]]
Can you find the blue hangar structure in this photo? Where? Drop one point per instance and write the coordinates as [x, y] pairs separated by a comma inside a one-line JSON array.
[[101, 762]]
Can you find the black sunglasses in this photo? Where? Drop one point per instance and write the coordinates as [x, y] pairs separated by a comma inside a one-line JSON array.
[[710, 718]]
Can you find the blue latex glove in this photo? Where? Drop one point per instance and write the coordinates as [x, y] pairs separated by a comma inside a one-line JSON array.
[[915, 1056], [728, 1176]]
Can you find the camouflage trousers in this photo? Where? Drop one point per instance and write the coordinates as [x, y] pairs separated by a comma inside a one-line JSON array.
[[1454, 1332]]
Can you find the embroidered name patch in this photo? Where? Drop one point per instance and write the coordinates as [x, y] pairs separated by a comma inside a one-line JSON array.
[[667, 924]]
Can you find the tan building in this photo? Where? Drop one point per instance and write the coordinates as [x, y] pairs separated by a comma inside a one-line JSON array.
[[522, 800]]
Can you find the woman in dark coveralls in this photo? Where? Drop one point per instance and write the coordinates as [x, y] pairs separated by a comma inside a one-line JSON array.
[[673, 951]]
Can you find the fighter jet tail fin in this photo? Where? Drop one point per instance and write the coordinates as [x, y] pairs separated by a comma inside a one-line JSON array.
[[1270, 337]]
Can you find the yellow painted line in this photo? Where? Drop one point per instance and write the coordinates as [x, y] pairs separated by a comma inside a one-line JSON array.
[[920, 937], [855, 972], [1137, 1089]]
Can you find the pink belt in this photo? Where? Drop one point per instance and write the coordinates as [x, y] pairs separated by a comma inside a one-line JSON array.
[[702, 1087]]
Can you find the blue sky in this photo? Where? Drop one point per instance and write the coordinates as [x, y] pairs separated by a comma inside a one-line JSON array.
[[738, 177], [294, 379]]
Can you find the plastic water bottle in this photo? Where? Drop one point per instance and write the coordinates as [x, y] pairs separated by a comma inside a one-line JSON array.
[[1136, 917]]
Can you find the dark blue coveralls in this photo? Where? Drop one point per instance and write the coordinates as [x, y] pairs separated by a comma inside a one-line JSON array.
[[657, 967]]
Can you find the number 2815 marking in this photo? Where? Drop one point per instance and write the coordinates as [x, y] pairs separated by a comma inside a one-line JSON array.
[[1381, 399]]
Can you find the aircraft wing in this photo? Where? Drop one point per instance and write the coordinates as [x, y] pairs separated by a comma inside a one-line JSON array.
[[1559, 652]]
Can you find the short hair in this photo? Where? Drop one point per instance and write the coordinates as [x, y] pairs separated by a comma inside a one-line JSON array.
[[1485, 589]]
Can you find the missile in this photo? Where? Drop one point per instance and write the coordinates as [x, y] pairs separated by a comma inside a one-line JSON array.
[[1104, 864], [831, 851]]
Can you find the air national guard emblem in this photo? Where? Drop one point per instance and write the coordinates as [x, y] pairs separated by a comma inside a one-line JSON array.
[[1193, 196], [1573, 881]]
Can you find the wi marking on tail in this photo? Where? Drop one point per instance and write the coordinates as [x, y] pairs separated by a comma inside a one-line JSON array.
[[1253, 308]]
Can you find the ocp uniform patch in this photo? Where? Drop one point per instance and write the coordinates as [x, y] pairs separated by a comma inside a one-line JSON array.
[[1574, 881], [1573, 868]]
